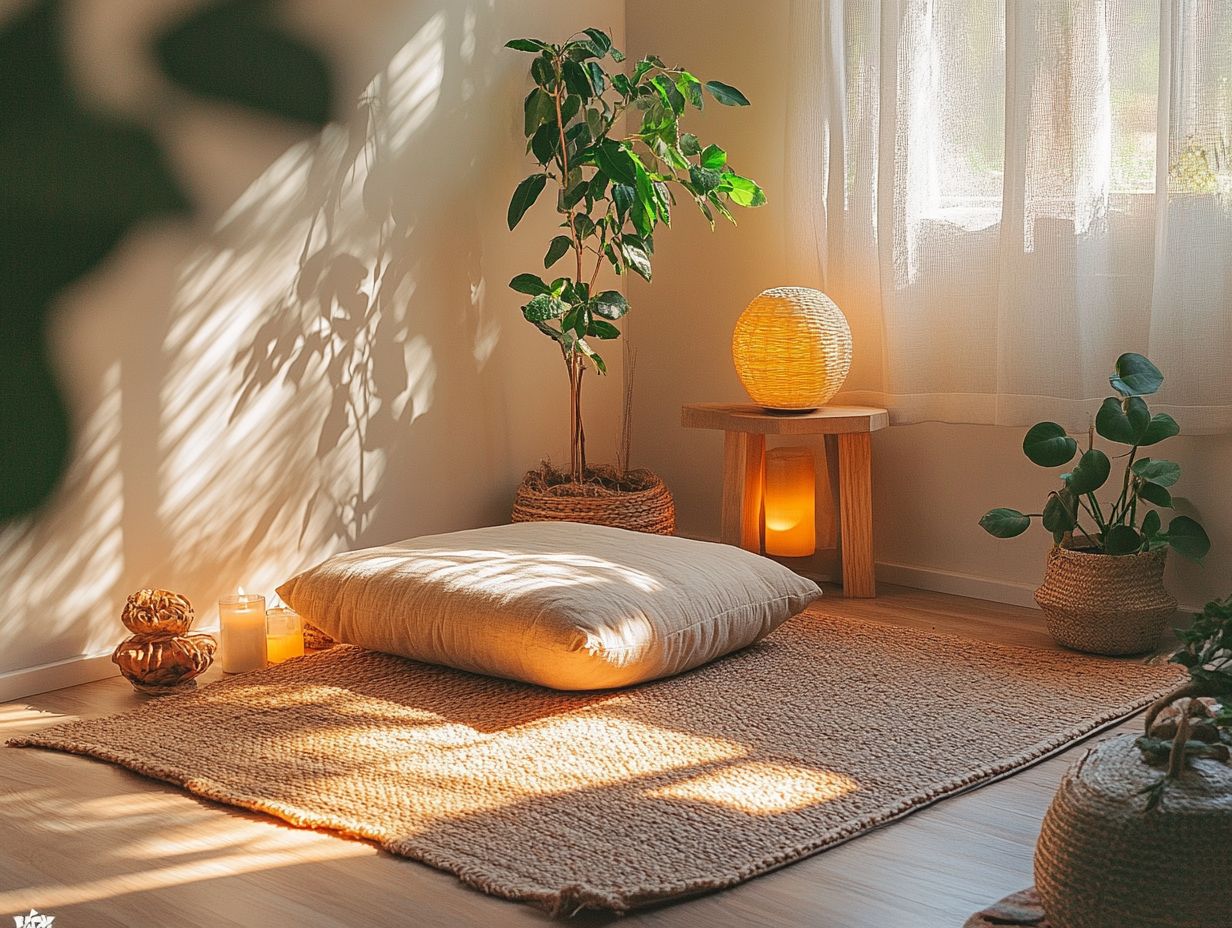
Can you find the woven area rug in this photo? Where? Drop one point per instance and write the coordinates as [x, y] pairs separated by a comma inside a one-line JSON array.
[[613, 800]]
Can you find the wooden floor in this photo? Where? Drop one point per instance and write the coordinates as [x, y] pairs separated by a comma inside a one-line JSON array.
[[95, 845]]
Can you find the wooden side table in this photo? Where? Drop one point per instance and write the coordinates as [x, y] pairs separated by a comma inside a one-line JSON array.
[[744, 463]]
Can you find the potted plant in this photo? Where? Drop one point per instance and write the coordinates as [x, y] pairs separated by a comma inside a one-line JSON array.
[[1140, 825], [1103, 587], [609, 146]]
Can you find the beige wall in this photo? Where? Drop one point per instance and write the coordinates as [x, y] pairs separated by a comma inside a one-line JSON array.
[[932, 481], [215, 447]]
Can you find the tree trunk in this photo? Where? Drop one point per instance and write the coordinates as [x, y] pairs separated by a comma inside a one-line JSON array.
[[577, 433]]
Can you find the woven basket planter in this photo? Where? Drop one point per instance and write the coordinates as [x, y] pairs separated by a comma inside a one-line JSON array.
[[792, 349], [639, 500], [1105, 604], [1105, 861]]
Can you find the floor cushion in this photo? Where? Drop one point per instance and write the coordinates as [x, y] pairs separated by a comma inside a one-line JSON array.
[[560, 604]]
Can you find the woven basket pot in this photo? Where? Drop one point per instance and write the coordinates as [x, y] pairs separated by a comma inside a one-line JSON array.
[[648, 508], [1105, 604], [1104, 861], [792, 349]]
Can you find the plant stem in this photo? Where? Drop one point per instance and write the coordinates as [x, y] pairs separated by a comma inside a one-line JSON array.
[[1118, 513], [573, 359]]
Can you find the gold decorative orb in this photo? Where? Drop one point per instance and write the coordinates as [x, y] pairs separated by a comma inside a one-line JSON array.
[[792, 349], [150, 611], [160, 663]]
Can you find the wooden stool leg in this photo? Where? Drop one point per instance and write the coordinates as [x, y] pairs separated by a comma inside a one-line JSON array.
[[855, 492], [744, 462]]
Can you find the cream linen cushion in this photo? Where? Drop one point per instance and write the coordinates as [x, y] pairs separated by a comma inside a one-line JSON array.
[[561, 604]]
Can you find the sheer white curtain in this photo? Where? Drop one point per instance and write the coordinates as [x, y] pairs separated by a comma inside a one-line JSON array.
[[1004, 195]]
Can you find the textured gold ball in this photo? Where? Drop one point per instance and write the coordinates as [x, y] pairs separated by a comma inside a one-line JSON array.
[[151, 611], [792, 349]]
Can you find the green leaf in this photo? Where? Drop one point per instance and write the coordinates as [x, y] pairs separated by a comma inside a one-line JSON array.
[[645, 207], [623, 196], [1004, 523], [743, 192], [600, 40], [1047, 445], [1162, 426], [610, 304], [690, 88], [1061, 512], [557, 249], [1123, 421], [237, 52], [544, 307], [529, 284], [1135, 376], [543, 73], [538, 109], [1154, 494], [713, 157], [577, 80], [545, 142], [1122, 539], [600, 329], [1188, 539], [689, 144], [703, 179], [636, 257], [524, 197], [670, 95], [726, 94], [1160, 473], [1150, 525], [616, 162], [526, 45], [596, 74], [1091, 473]]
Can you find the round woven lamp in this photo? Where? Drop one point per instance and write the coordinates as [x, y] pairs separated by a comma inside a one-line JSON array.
[[792, 349]]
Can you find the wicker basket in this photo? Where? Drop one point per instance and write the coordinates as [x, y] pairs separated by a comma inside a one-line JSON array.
[[639, 500], [792, 349], [1105, 861], [1105, 604]]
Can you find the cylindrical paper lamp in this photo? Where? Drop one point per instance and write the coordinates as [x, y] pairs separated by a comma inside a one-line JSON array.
[[790, 501], [241, 632], [792, 349]]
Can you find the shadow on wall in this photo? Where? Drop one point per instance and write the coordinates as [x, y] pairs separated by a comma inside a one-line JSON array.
[[289, 400]]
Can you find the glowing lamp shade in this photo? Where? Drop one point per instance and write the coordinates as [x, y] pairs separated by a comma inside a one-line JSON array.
[[792, 349], [790, 501]]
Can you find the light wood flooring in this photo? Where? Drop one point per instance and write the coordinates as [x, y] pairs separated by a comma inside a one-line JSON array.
[[95, 845]]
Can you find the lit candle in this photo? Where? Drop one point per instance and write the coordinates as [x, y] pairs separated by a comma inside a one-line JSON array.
[[242, 632], [791, 499], [284, 634]]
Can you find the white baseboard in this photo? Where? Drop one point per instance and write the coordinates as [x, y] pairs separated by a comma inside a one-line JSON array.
[[30, 681], [959, 584]]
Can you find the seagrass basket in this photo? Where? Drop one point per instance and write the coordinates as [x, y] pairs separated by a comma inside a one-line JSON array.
[[637, 500], [1104, 860], [1103, 603]]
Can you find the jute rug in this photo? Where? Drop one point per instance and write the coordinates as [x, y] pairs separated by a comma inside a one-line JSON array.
[[614, 800]]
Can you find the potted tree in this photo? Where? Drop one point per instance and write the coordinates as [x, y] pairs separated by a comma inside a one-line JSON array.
[[1103, 586], [609, 145]]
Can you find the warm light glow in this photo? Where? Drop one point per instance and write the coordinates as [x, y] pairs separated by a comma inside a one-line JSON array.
[[791, 503], [759, 788], [792, 349], [284, 634]]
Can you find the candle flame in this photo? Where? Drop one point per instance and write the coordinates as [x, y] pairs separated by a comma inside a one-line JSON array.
[[239, 591]]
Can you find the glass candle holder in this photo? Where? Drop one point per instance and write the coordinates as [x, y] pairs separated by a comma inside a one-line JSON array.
[[790, 501], [284, 634], [241, 637]]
